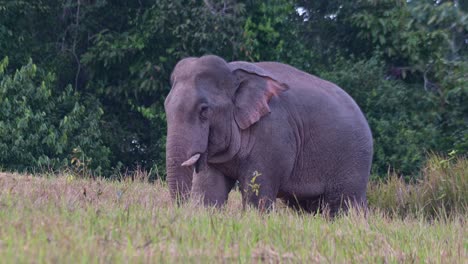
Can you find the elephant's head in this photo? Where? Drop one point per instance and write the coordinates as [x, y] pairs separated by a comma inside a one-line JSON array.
[[209, 103]]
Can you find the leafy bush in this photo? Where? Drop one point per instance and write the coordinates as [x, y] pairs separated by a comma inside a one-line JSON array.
[[41, 128], [424, 43]]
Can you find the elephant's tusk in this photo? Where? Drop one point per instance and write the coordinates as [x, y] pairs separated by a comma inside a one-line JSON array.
[[191, 161]]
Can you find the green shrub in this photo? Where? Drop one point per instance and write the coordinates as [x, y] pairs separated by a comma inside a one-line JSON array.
[[45, 129]]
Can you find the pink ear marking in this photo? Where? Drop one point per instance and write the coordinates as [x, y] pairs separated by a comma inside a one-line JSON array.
[[274, 88]]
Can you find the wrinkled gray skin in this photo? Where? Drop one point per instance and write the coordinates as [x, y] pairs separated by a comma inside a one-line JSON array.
[[304, 138]]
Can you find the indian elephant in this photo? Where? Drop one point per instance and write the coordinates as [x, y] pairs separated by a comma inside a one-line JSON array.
[[278, 131]]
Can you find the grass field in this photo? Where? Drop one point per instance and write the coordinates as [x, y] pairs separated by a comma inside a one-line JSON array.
[[66, 219]]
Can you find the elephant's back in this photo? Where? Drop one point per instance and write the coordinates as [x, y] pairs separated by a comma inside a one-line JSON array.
[[311, 93], [295, 78]]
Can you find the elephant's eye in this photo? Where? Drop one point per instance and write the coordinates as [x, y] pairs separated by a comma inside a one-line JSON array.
[[204, 113]]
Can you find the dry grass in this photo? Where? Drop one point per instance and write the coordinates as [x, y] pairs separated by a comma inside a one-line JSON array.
[[441, 193], [66, 219]]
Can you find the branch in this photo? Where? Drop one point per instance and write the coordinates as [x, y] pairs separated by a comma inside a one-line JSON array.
[[210, 7], [77, 24], [428, 85], [213, 10]]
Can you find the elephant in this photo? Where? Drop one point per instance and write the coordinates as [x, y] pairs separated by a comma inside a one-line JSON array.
[[276, 130]]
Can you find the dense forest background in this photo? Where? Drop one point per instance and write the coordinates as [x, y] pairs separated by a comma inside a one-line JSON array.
[[82, 82]]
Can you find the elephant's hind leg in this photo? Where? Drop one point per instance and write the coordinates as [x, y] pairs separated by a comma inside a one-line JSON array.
[[342, 202], [308, 206]]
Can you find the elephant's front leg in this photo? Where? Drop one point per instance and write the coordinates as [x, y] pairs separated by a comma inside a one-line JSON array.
[[211, 187], [258, 190]]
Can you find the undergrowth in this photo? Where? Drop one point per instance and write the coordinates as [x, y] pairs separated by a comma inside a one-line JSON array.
[[441, 192]]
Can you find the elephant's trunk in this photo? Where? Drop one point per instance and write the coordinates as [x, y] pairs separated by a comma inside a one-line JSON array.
[[179, 178]]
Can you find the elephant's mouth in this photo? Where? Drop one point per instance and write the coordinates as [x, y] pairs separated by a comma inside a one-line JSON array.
[[198, 161]]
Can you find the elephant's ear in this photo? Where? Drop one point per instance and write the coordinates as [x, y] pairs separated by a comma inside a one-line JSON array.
[[256, 87]]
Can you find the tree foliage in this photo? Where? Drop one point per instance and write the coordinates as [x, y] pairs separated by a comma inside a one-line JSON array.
[[44, 129], [104, 66]]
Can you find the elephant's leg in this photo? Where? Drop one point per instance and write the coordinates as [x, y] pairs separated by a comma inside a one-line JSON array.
[[344, 198], [309, 205], [352, 200], [294, 203], [258, 190], [313, 205], [211, 187]]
